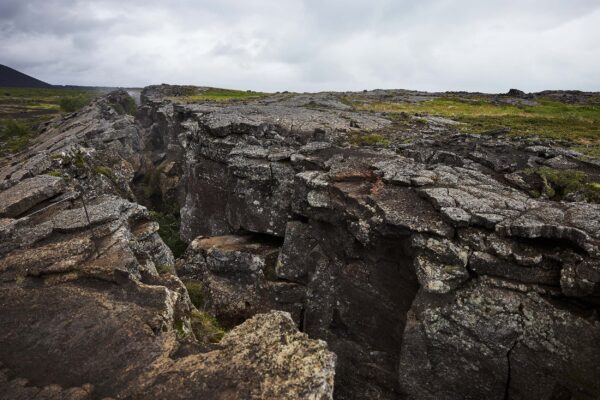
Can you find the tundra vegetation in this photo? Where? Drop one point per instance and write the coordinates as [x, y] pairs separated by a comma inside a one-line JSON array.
[[195, 95], [23, 110], [543, 117]]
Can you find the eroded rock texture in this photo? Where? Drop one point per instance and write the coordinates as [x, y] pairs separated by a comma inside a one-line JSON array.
[[430, 271], [426, 267], [84, 311]]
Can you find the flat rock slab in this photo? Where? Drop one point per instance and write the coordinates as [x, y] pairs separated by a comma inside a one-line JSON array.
[[28, 193]]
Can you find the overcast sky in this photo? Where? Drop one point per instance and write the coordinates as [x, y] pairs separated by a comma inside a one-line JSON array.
[[307, 45]]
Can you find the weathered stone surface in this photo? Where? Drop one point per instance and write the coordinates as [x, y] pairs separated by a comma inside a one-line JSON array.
[[237, 274], [88, 307], [427, 267], [19, 198], [440, 265], [447, 215], [509, 345]]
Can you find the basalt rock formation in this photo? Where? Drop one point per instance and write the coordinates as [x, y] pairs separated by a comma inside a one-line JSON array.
[[427, 267], [86, 308], [430, 271]]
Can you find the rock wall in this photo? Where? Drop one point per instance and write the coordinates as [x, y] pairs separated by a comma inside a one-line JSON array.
[[430, 272], [90, 306]]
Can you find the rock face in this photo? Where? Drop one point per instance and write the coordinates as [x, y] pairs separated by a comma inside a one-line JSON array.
[[86, 308], [430, 271], [237, 276], [422, 270]]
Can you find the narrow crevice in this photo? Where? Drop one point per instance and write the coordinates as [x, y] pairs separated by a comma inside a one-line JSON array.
[[509, 371]]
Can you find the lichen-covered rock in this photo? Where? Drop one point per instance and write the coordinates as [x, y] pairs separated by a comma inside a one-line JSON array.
[[17, 199], [510, 344], [89, 305], [237, 277], [365, 228], [428, 267]]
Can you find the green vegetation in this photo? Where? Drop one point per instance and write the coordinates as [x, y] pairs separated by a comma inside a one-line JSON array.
[[205, 327], [22, 110], [574, 122], [196, 292], [218, 95], [129, 107], [589, 151], [55, 173], [169, 231], [556, 184], [369, 139], [15, 134], [165, 269], [74, 103], [103, 170], [78, 160], [149, 193], [30, 103]]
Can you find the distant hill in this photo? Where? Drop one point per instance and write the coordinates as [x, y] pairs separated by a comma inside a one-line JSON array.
[[12, 78]]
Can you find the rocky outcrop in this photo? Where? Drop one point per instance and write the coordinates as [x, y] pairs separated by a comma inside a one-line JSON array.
[[89, 304], [429, 268], [430, 271], [236, 277]]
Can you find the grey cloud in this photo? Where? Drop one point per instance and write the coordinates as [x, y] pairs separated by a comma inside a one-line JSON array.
[[307, 44]]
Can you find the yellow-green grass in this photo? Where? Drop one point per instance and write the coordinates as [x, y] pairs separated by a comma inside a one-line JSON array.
[[22, 110], [589, 151], [369, 139], [557, 184], [552, 119], [22, 100], [218, 95]]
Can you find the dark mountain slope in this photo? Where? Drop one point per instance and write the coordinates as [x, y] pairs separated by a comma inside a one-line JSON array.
[[12, 78]]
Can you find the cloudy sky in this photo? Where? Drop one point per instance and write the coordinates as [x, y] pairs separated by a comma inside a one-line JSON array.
[[307, 45]]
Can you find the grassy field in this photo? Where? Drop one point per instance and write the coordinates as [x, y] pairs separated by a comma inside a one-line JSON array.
[[22, 110], [579, 124], [218, 95]]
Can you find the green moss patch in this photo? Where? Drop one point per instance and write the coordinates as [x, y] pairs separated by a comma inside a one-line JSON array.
[[205, 327], [196, 292], [574, 122], [369, 139], [169, 231], [556, 184], [15, 135], [218, 95], [165, 269], [127, 106], [103, 170]]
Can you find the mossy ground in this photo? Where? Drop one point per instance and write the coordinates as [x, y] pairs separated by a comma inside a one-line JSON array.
[[369, 139], [169, 231], [127, 107], [204, 325], [22, 110], [15, 135], [25, 103], [577, 123], [218, 95], [557, 184], [103, 170], [196, 291]]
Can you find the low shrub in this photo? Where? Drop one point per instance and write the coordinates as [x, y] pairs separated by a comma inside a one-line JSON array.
[[205, 327], [371, 139], [73, 103]]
